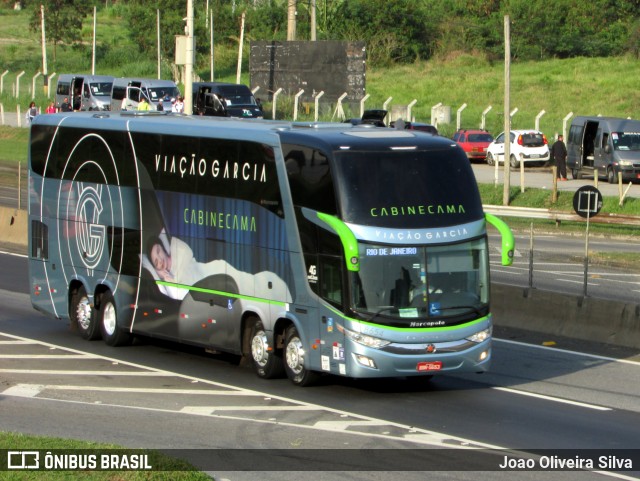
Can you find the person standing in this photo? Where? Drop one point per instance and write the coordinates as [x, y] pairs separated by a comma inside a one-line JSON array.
[[178, 106], [66, 106], [559, 155], [51, 109], [32, 112], [143, 104]]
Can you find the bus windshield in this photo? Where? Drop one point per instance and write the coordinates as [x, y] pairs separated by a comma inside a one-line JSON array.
[[424, 285], [407, 188]]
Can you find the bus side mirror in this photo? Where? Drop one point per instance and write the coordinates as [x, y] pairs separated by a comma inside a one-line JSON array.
[[607, 149], [508, 241]]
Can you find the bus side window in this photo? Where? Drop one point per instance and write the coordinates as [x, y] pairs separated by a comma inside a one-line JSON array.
[[39, 240], [331, 279]]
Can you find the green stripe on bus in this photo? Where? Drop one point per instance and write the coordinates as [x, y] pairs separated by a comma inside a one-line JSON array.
[[412, 329], [222, 293]]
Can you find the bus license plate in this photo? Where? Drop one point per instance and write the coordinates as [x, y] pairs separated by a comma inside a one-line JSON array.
[[429, 366]]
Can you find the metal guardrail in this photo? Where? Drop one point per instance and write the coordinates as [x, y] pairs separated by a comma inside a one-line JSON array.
[[534, 213]]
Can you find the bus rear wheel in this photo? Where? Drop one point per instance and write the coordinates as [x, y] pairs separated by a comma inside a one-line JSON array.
[[111, 333], [82, 315], [296, 360], [267, 362]]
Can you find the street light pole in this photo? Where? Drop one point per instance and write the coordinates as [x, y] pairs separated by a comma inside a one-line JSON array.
[[188, 70]]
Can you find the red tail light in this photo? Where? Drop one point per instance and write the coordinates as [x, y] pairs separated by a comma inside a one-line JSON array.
[[519, 139], [544, 139]]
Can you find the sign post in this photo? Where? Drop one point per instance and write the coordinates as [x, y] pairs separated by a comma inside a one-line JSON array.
[[587, 202]]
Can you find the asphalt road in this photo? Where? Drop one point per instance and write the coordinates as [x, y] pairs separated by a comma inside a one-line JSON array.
[[160, 395]]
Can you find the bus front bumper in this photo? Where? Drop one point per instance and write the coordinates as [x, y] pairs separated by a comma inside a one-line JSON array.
[[367, 362]]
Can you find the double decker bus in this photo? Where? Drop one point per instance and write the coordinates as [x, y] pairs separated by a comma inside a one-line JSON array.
[[308, 249]]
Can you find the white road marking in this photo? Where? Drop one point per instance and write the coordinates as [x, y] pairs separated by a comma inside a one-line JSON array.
[[88, 373], [410, 434], [211, 409], [46, 356], [343, 425], [24, 390], [551, 398], [567, 351]]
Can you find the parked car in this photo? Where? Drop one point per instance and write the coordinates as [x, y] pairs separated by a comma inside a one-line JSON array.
[[225, 100], [473, 142], [430, 129], [527, 146], [370, 117]]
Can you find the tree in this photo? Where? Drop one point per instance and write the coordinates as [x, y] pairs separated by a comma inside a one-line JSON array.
[[63, 20]]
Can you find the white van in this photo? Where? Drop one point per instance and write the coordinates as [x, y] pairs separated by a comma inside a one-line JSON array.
[[607, 145], [84, 92], [127, 92]]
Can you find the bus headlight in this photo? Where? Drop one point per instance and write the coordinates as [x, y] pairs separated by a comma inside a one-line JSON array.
[[365, 340], [480, 336]]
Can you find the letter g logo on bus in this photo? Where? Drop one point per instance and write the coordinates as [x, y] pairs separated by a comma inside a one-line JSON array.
[[23, 459], [90, 236]]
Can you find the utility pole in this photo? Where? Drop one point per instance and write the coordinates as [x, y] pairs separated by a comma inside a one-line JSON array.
[[507, 109], [291, 20], [312, 37], [93, 47], [188, 70], [44, 54]]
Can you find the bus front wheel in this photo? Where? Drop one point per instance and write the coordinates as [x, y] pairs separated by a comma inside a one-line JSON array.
[[296, 360], [267, 362], [83, 316], [111, 333]]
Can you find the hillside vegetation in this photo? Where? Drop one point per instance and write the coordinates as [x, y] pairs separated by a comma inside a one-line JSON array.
[[582, 86]]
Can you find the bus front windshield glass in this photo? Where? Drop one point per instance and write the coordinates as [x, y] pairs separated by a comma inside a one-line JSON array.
[[426, 285]]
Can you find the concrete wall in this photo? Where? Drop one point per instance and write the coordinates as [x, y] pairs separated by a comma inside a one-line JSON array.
[[588, 318], [546, 312], [13, 229]]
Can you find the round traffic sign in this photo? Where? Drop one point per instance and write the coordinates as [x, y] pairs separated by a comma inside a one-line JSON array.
[[587, 201]]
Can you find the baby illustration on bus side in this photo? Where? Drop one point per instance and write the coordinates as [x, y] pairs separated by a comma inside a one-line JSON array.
[[172, 261]]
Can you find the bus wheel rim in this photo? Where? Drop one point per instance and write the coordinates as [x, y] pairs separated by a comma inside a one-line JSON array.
[[109, 319], [83, 313], [260, 348], [295, 355]]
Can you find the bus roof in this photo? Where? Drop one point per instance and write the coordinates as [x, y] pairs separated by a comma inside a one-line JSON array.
[[332, 135]]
